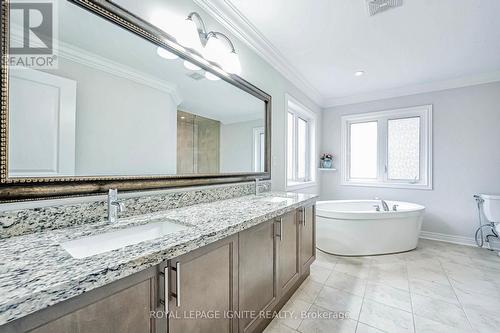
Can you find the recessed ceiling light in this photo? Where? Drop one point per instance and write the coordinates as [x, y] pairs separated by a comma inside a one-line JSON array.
[[359, 73]]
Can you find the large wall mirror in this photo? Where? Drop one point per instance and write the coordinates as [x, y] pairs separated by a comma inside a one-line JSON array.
[[115, 113]]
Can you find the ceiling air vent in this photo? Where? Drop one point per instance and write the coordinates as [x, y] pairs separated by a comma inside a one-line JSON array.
[[195, 76], [378, 6]]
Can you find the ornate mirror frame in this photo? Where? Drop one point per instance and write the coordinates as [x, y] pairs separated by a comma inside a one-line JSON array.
[[16, 189]]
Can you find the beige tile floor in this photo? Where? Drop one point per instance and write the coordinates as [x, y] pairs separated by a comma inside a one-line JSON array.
[[438, 287]]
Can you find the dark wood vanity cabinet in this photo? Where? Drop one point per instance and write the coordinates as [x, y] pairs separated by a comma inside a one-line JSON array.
[[288, 251], [125, 311], [203, 289], [274, 257], [258, 289], [121, 307], [307, 219]]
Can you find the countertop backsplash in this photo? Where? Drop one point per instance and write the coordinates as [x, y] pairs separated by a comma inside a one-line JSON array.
[[23, 221]]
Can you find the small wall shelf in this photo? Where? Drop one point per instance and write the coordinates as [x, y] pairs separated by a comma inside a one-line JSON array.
[[327, 169]]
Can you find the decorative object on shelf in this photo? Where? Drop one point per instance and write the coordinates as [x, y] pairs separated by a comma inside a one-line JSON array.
[[326, 161], [212, 45]]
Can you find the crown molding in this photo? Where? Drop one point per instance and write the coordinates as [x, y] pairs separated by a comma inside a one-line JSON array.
[[226, 13], [415, 89], [83, 57]]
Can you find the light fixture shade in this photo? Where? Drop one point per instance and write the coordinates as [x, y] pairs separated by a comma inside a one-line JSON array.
[[189, 65], [232, 63], [166, 54], [188, 35], [215, 50], [211, 76]]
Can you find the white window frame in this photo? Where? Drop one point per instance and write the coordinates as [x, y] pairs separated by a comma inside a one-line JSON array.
[[258, 154], [424, 112], [300, 111]]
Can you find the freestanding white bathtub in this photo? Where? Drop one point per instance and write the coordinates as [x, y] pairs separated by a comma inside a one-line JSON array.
[[355, 228]]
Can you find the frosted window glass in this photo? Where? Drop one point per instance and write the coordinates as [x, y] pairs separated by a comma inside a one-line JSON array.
[[363, 150], [290, 145], [404, 148], [301, 148]]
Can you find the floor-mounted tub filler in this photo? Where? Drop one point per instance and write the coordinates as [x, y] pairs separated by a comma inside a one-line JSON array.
[[362, 227]]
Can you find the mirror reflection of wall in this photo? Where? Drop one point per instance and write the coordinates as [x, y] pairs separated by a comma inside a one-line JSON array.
[[114, 107], [210, 146], [240, 148]]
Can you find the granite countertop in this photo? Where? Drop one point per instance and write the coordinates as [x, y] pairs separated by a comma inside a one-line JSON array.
[[36, 272]]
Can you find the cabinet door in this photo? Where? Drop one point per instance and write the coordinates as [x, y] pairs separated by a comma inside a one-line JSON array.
[[257, 273], [288, 252], [126, 311], [307, 237], [203, 289]]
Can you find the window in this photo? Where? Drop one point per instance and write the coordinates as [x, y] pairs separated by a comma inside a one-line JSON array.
[[300, 145], [403, 148], [388, 149], [259, 149], [297, 148], [363, 150]]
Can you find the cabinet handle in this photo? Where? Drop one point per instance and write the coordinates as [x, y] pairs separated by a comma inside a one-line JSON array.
[[280, 221], [166, 288], [304, 216], [178, 284]]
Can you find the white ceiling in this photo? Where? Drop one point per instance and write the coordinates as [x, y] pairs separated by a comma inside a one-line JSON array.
[[422, 46]]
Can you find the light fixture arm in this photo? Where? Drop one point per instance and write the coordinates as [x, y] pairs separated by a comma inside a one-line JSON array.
[[202, 31], [217, 34], [200, 25], [229, 62]]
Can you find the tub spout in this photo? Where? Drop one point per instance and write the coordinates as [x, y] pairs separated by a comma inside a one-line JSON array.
[[384, 204]]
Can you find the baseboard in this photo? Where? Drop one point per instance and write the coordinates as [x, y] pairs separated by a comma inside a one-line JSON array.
[[469, 241]]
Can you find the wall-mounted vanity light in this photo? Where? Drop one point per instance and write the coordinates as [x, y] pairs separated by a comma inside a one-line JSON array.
[[213, 45]]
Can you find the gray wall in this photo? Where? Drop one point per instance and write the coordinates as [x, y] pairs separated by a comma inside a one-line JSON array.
[[466, 135], [117, 135], [236, 146]]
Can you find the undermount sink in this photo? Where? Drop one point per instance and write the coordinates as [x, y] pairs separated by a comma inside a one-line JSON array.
[[274, 199], [88, 246]]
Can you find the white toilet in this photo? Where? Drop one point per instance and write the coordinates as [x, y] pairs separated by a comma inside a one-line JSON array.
[[491, 208]]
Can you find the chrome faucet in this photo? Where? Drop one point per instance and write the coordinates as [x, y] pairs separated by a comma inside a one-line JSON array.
[[384, 204], [114, 206], [257, 182]]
